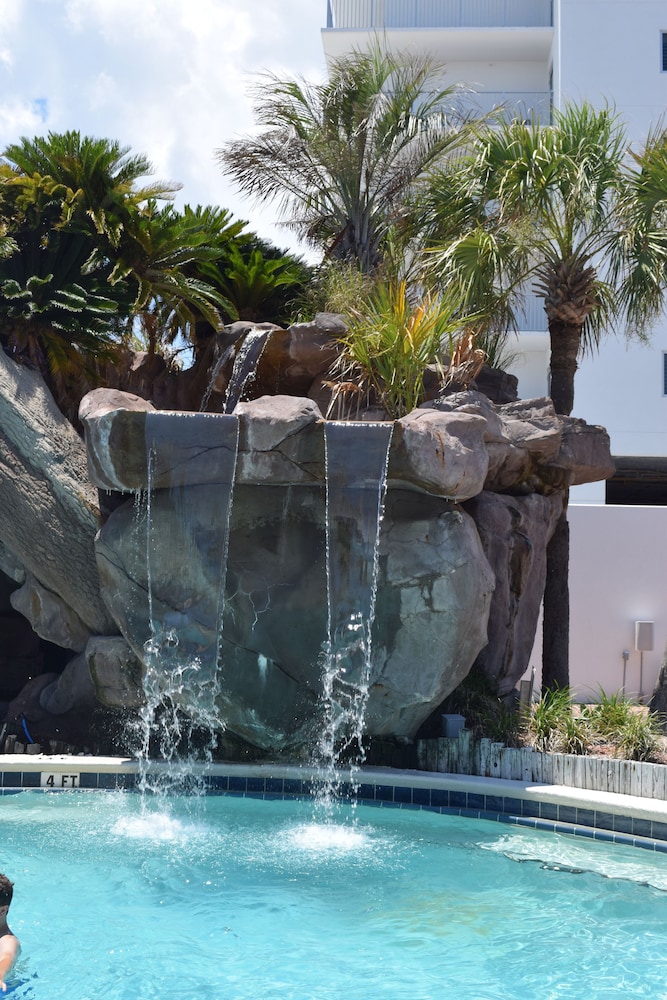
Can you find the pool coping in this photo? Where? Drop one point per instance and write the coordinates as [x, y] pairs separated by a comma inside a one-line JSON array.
[[606, 816]]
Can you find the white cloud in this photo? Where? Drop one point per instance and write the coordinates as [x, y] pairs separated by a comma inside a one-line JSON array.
[[169, 78]]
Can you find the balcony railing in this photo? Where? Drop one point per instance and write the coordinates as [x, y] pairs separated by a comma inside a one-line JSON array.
[[532, 318], [524, 104], [381, 14]]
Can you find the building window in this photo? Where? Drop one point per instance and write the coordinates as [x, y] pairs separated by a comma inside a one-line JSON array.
[[664, 373], [663, 39]]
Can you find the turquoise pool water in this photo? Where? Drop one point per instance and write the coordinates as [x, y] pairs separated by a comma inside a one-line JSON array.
[[225, 898]]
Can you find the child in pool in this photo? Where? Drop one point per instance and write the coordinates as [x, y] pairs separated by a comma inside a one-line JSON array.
[[9, 943]]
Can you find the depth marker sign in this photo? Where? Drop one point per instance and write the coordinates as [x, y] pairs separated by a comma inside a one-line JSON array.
[[58, 780]]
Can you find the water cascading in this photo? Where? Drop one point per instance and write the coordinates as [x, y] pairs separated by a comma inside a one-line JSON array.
[[357, 456], [245, 366], [183, 651]]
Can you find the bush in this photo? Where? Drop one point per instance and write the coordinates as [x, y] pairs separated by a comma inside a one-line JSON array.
[[617, 722]]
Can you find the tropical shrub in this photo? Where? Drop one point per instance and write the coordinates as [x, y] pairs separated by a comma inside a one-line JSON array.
[[392, 340]]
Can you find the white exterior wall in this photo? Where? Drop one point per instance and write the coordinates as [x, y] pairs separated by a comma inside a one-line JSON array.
[[610, 51], [618, 557]]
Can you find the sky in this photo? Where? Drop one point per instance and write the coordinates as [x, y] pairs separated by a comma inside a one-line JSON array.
[[168, 78]]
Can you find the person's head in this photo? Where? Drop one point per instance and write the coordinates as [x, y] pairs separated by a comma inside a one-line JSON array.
[[6, 891]]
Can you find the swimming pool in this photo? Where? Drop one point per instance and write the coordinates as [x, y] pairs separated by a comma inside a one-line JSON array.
[[232, 898]]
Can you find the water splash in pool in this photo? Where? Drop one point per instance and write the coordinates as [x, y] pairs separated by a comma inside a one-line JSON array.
[[357, 456], [182, 654]]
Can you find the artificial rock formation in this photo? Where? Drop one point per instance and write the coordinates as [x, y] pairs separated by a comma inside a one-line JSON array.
[[473, 490], [446, 543]]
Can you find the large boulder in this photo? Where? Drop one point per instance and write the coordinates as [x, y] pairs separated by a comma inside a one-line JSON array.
[[188, 582], [434, 589], [514, 532], [48, 506]]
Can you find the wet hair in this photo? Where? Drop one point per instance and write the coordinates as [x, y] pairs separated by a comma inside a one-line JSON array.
[[6, 890]]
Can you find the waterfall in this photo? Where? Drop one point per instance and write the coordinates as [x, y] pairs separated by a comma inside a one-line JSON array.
[[183, 650], [246, 357], [217, 368], [245, 364], [357, 456]]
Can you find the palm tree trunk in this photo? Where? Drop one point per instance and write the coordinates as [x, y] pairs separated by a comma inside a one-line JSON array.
[[565, 340], [556, 620]]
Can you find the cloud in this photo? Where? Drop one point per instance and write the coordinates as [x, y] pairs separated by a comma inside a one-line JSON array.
[[169, 78]]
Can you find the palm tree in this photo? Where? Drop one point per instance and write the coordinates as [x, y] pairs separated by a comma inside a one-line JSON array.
[[341, 157], [162, 254], [555, 206], [260, 284]]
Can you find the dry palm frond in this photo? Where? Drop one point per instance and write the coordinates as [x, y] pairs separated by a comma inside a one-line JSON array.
[[466, 361], [343, 394]]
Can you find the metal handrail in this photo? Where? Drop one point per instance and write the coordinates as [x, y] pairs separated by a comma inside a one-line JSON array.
[[381, 14]]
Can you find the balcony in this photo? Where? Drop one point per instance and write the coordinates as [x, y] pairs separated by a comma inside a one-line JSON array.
[[532, 318], [378, 15], [527, 105]]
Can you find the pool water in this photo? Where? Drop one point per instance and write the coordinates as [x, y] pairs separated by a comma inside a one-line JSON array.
[[225, 898]]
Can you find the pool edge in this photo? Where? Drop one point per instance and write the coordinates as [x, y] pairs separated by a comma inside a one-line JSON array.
[[607, 816]]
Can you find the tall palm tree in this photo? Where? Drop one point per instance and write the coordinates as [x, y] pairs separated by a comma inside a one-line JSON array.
[[555, 206], [341, 157]]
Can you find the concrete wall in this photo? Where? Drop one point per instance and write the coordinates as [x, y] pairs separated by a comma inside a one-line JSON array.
[[618, 575]]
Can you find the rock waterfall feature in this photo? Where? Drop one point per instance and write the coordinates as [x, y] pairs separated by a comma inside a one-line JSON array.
[[435, 583], [200, 559]]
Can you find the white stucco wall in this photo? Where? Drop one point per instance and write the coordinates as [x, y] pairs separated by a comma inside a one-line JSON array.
[[609, 50], [618, 575]]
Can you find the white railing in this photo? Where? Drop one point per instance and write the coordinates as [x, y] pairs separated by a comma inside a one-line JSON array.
[[521, 104], [532, 318], [380, 14]]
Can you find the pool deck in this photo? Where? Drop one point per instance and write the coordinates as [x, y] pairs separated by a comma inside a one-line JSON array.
[[605, 816]]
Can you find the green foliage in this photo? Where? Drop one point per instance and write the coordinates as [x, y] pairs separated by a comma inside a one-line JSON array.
[[639, 737], [486, 714], [548, 720], [85, 250], [342, 157], [259, 287], [336, 287], [610, 714], [615, 722], [391, 341]]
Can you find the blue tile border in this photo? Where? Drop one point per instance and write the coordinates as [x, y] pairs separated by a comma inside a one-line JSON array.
[[579, 821]]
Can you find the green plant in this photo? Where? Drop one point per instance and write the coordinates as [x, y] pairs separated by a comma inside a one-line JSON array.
[[639, 738], [548, 719], [335, 286], [486, 713], [609, 715], [343, 158], [573, 735], [391, 341]]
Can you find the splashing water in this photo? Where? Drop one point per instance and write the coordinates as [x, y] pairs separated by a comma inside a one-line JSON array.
[[357, 456], [182, 654]]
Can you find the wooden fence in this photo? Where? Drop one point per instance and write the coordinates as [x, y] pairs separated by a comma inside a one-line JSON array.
[[485, 758]]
